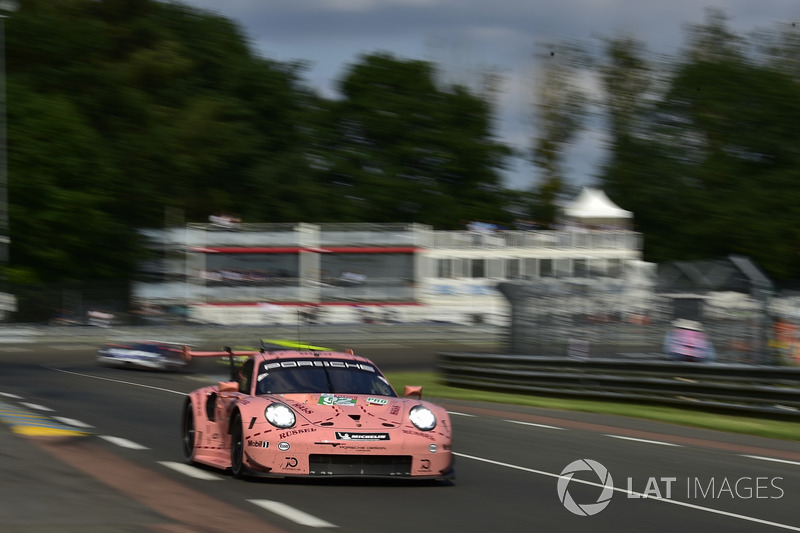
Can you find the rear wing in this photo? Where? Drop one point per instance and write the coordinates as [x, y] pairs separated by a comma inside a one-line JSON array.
[[189, 354]]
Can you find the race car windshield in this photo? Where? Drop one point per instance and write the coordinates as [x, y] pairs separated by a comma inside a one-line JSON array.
[[321, 376]]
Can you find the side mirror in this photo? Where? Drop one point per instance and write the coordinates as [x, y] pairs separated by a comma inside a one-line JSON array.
[[228, 386], [410, 391]]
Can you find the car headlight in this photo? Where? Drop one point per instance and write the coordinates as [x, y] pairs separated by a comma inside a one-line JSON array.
[[422, 417], [279, 415]]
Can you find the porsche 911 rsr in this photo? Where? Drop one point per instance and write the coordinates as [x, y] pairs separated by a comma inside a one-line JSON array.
[[318, 414]]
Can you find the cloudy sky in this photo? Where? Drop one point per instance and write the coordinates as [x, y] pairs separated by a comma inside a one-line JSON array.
[[466, 35]]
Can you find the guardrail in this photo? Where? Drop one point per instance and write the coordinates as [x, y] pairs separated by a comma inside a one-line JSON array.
[[737, 388]]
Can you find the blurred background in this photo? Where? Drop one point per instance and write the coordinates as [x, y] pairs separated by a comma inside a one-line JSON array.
[[134, 133]]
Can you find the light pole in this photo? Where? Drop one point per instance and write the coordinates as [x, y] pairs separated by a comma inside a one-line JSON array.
[[7, 301]]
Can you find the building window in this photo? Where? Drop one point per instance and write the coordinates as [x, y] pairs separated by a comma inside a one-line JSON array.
[[562, 268], [496, 268], [615, 268], [546, 268], [597, 268], [444, 268], [513, 269], [531, 268], [478, 268], [580, 269]]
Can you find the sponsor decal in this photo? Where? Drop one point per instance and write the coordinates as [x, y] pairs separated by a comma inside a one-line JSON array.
[[359, 448], [302, 408], [425, 464], [258, 444], [290, 462], [376, 401], [132, 354], [422, 434], [283, 446], [298, 363], [298, 431], [333, 399], [395, 409], [347, 435]]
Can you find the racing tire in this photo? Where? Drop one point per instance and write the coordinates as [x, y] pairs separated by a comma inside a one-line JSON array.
[[238, 469], [188, 432]]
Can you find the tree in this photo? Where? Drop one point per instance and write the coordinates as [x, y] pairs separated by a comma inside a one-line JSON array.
[[61, 220], [711, 169], [560, 109], [402, 149], [121, 111]]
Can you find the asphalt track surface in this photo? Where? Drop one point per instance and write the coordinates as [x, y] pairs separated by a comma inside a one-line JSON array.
[[95, 449]]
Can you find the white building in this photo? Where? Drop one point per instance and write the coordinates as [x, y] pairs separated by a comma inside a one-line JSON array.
[[269, 273]]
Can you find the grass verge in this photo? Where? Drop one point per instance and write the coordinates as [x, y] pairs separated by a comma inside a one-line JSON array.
[[432, 387]]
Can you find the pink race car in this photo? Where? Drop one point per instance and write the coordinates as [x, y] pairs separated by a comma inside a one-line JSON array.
[[317, 414]]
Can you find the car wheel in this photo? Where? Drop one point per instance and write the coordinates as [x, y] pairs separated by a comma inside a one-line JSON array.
[[188, 432], [237, 447]]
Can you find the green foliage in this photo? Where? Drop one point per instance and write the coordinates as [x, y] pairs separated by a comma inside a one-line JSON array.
[[560, 110], [710, 161], [399, 148], [121, 111]]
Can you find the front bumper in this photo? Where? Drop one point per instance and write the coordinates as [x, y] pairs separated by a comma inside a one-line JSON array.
[[414, 458]]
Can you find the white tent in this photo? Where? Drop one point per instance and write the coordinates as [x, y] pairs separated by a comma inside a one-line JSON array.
[[593, 207]]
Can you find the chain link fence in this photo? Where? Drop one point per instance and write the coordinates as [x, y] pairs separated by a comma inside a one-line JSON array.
[[73, 303], [571, 318]]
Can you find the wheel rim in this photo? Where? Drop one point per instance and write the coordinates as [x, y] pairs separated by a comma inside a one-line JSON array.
[[188, 432]]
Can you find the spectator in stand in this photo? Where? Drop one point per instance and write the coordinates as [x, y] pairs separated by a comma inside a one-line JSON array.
[[687, 341]]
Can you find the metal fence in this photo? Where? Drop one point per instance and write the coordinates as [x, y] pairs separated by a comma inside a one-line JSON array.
[[72, 303], [562, 317], [733, 388]]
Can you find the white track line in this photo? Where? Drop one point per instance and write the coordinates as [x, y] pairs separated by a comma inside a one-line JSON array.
[[191, 471], [123, 443], [116, 381], [459, 414], [545, 426], [634, 494], [35, 406], [72, 422], [9, 395], [295, 515], [661, 443], [784, 461]]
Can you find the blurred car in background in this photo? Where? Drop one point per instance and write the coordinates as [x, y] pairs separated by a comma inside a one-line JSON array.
[[154, 355]]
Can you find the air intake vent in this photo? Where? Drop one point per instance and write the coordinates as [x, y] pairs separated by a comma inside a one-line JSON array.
[[355, 417], [359, 465]]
